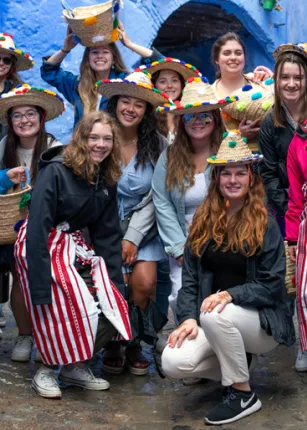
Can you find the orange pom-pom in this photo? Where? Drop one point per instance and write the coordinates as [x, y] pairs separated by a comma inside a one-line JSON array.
[[91, 20], [114, 35]]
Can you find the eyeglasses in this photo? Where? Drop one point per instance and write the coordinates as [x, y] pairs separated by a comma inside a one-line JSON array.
[[6, 60], [31, 114], [204, 117]]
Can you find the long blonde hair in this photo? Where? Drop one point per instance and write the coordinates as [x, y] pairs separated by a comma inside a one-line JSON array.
[[86, 87]]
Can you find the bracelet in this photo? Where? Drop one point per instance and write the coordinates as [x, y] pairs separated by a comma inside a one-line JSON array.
[[65, 52]]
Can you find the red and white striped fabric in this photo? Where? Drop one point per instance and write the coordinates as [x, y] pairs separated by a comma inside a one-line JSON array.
[[65, 330]]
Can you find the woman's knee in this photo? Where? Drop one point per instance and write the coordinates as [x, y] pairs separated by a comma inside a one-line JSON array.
[[171, 362], [144, 282], [211, 321]]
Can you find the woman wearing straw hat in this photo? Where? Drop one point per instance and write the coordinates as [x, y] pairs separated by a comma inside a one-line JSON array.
[[228, 56], [181, 177], [26, 110], [75, 307], [233, 301], [131, 103], [277, 129]]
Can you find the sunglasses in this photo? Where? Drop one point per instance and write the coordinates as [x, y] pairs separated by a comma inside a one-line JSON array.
[[204, 118], [6, 60]]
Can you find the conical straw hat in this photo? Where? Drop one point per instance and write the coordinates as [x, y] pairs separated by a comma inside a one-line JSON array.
[[137, 84], [197, 96], [24, 61], [254, 101], [184, 69], [300, 48], [233, 150]]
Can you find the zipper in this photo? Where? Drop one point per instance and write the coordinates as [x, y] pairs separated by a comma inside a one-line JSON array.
[[97, 182]]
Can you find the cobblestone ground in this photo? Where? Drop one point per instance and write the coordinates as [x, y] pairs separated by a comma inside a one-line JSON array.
[[148, 402]]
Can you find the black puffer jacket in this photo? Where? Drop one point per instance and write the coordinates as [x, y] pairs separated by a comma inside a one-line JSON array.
[[264, 288], [274, 143], [61, 196]]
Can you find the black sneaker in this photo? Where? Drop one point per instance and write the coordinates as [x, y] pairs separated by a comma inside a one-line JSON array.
[[234, 406]]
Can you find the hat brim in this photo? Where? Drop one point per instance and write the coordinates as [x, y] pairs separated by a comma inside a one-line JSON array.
[[52, 105], [255, 158], [111, 89], [205, 107], [289, 48], [181, 69], [22, 62]]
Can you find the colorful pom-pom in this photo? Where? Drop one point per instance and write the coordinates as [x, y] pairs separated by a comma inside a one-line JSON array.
[[90, 20], [18, 225], [232, 144], [24, 200], [244, 139], [225, 134], [226, 116], [241, 106], [269, 81], [247, 87], [2, 38], [115, 23], [114, 35], [256, 96], [266, 105]]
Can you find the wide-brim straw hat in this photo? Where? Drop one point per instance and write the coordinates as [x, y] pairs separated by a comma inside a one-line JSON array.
[[24, 94], [137, 84], [300, 48], [184, 69], [254, 101], [24, 61], [11, 213], [197, 96], [95, 25], [234, 150]]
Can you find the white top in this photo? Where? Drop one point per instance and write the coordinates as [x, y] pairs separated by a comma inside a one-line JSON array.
[[194, 197]]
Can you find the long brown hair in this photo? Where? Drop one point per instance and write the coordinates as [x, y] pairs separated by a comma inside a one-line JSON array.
[[244, 231], [86, 87], [43, 141], [77, 155], [180, 164], [280, 119], [217, 46]]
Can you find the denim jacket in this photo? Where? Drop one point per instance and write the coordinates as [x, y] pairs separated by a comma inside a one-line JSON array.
[[170, 209]]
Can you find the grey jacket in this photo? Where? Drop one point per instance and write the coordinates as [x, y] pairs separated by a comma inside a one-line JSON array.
[[170, 209]]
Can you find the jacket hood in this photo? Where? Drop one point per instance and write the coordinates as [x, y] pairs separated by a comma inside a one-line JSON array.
[[302, 131], [51, 155]]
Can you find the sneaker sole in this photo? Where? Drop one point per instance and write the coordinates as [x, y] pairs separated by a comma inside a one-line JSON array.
[[45, 393], [21, 359], [254, 408], [2, 324], [85, 385], [301, 369], [111, 369]]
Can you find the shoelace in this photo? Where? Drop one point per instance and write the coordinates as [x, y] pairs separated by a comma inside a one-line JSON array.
[[86, 372], [50, 377], [20, 339]]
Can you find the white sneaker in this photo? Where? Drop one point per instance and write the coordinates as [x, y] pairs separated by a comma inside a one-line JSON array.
[[45, 384], [82, 377], [301, 361], [22, 349], [2, 318], [1, 334]]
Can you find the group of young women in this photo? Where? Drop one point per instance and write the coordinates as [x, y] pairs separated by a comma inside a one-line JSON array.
[[137, 185]]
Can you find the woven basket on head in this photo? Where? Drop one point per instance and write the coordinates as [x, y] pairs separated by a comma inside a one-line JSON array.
[[10, 214], [290, 273], [254, 102], [93, 25]]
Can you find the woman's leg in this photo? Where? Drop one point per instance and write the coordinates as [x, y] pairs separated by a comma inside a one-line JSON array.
[[164, 285], [143, 281]]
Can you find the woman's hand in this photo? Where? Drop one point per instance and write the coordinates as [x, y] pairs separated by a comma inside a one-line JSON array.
[[222, 299], [69, 42], [249, 129], [261, 73], [129, 252], [188, 329], [180, 260], [17, 174], [124, 38], [292, 253]]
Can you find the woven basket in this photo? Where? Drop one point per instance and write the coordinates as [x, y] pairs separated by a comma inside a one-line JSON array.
[[93, 25], [290, 273], [10, 214]]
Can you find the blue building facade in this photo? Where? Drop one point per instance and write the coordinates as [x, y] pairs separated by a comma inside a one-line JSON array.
[[38, 28]]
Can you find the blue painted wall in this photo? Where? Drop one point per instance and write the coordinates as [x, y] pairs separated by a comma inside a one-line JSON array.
[[39, 29]]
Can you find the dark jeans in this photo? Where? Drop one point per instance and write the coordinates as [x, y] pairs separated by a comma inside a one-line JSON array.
[[164, 286]]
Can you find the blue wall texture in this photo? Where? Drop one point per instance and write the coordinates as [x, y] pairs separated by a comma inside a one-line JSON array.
[[38, 28]]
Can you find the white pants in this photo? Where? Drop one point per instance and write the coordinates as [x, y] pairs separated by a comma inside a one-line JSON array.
[[219, 350], [175, 277]]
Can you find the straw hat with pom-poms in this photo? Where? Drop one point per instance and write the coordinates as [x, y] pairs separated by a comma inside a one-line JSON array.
[[300, 48]]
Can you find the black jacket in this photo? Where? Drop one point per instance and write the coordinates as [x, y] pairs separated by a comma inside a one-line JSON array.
[[61, 196], [274, 143], [264, 288]]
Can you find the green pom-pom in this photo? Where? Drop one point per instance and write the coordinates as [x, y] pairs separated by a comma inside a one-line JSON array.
[[2, 38], [213, 157], [24, 200], [115, 23], [241, 106], [188, 106], [266, 105], [244, 139], [225, 134], [232, 144]]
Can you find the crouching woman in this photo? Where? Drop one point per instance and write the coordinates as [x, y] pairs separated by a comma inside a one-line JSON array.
[[233, 298], [74, 306]]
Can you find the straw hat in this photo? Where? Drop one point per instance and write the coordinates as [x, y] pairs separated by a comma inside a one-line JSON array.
[[95, 25], [197, 96], [300, 48], [184, 69], [254, 101], [24, 61], [137, 84], [24, 94], [233, 150]]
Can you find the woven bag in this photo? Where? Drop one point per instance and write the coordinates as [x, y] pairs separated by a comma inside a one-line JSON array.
[[290, 273], [10, 214]]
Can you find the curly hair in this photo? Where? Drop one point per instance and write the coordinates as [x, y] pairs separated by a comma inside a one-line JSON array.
[[180, 164], [243, 233], [148, 143], [86, 88], [77, 154]]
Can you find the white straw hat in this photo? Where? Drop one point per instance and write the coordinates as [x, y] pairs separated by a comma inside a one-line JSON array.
[[24, 61], [184, 69]]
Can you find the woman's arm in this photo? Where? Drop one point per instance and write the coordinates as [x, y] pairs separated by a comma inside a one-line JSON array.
[[68, 45], [168, 225], [5, 182]]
